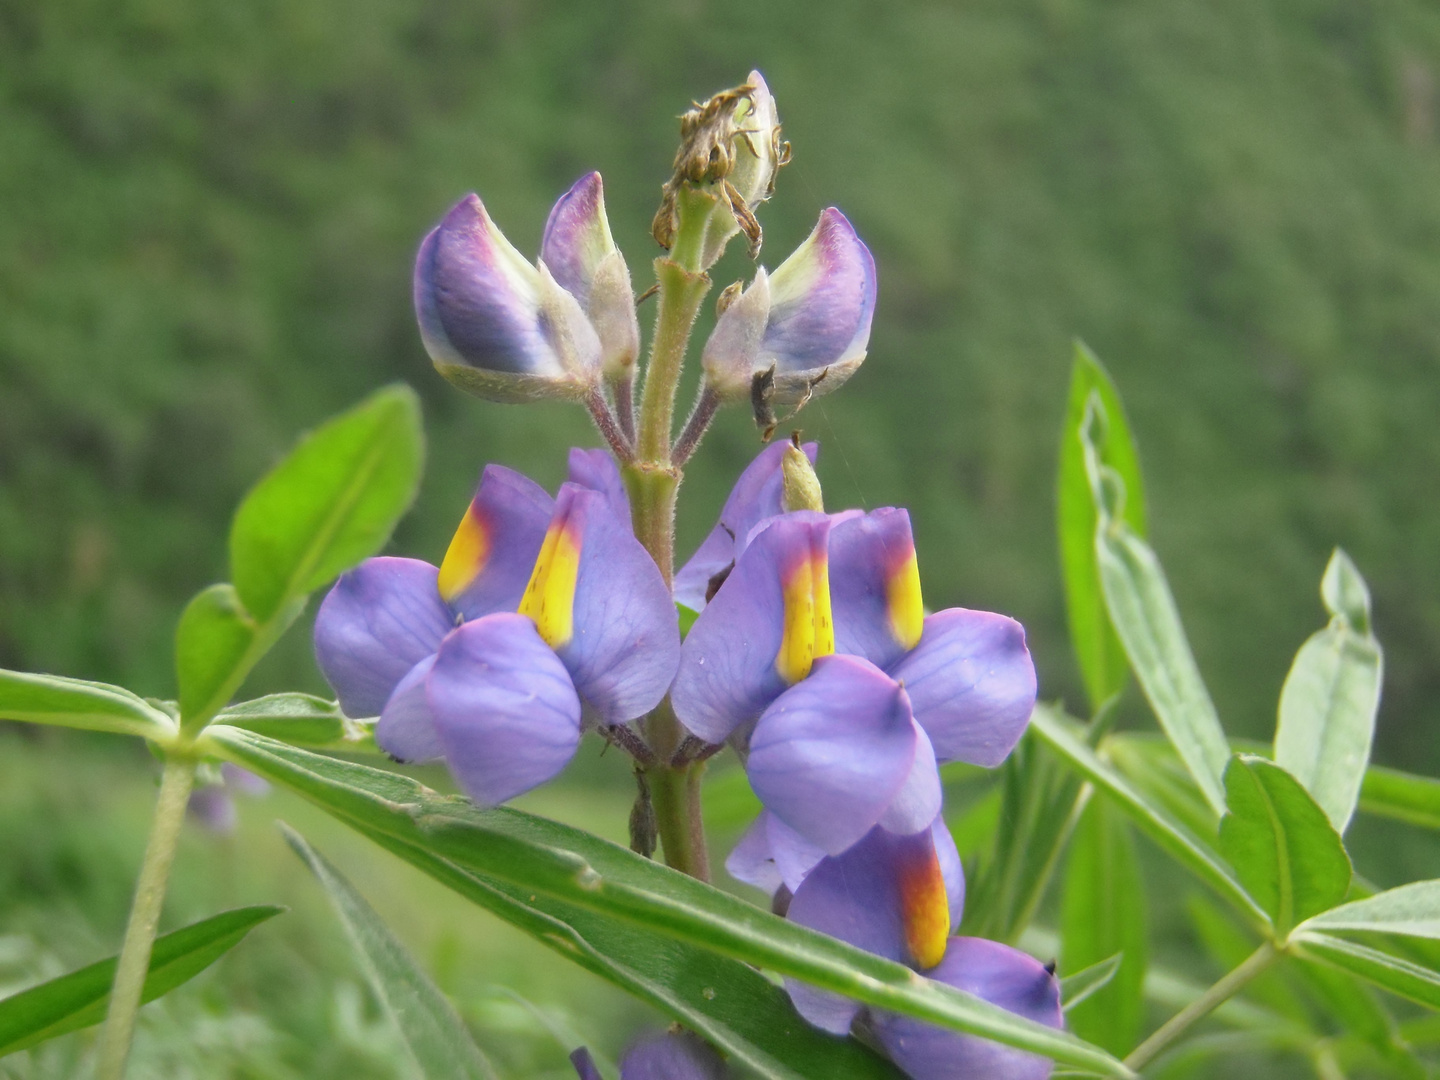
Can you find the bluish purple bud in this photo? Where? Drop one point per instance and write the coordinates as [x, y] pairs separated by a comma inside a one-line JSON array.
[[493, 324]]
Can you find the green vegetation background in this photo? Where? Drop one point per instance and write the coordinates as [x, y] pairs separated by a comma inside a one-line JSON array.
[[208, 212]]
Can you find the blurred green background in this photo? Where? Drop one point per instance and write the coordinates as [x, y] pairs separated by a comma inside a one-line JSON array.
[[208, 213]]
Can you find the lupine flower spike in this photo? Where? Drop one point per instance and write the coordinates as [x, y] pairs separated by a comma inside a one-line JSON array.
[[542, 607]]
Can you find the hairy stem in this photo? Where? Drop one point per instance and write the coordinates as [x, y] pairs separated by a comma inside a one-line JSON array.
[[134, 963], [696, 426], [1203, 1006], [681, 291]]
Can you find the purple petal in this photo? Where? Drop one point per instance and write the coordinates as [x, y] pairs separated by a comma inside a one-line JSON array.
[[822, 300], [584, 1064], [488, 563], [477, 299], [731, 357], [406, 730], [676, 1055], [971, 683], [728, 672], [596, 470], [577, 236], [951, 867], [504, 708], [1000, 975], [243, 780], [751, 860], [624, 644], [755, 497], [213, 809], [831, 754], [377, 623], [917, 804], [874, 586]]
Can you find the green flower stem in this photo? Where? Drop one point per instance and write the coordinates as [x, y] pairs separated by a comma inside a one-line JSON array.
[[175, 785], [676, 797], [681, 291], [1204, 1005]]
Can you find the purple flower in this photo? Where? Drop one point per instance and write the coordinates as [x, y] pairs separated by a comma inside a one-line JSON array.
[[212, 805], [502, 328], [896, 897], [838, 744], [676, 1055], [809, 320], [541, 608]]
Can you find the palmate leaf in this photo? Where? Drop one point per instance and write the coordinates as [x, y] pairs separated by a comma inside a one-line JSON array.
[[544, 858], [1331, 696], [433, 1031], [79, 999], [76, 703], [1145, 617], [1282, 847], [1097, 650]]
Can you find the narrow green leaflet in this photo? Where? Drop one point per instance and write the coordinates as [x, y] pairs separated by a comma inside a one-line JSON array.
[[1392, 973], [1149, 762], [78, 999], [211, 642], [1143, 611], [1282, 847], [301, 720], [433, 1031], [76, 703], [1097, 650], [1413, 910], [1401, 796], [1086, 982], [573, 867], [331, 503], [1149, 818], [1331, 696], [1103, 915]]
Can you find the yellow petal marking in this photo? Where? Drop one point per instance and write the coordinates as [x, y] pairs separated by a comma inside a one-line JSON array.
[[466, 556], [926, 908], [907, 610], [809, 630], [549, 598]]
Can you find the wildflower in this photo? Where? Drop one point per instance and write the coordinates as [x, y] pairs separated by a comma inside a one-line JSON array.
[[800, 331], [541, 606], [676, 1055], [891, 896], [838, 744]]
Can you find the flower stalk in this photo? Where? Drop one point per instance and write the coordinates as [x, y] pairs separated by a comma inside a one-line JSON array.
[[119, 1030]]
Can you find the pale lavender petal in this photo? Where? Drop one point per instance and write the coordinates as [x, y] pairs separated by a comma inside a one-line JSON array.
[[727, 670], [406, 730], [1002, 976], [488, 563], [243, 780], [626, 641], [874, 586], [917, 804], [822, 301], [755, 497], [751, 861], [830, 755], [378, 621], [971, 683], [504, 707], [596, 470], [794, 856], [584, 1064], [213, 809], [577, 236], [676, 1055], [950, 866], [477, 298]]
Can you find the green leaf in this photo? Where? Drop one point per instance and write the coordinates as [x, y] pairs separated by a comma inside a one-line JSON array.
[[1328, 705], [1103, 914], [1150, 763], [1149, 818], [212, 641], [1401, 796], [1392, 973], [79, 999], [1097, 650], [544, 858], [301, 720], [1143, 612], [1281, 845], [1412, 910], [1086, 982], [437, 1037], [331, 503], [54, 699], [687, 617]]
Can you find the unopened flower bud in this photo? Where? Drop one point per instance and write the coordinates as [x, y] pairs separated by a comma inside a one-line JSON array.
[[493, 324], [800, 331], [581, 253], [799, 486]]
